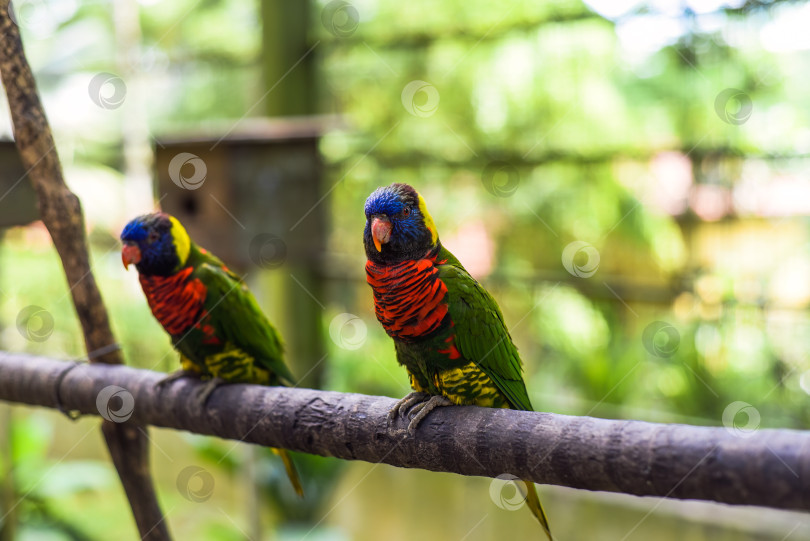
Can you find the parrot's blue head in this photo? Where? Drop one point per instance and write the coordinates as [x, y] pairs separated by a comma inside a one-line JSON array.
[[156, 243], [398, 225]]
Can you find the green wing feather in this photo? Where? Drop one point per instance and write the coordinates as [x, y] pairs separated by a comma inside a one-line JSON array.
[[481, 334], [237, 318]]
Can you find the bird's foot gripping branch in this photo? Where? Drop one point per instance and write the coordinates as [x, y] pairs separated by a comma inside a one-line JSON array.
[[768, 468]]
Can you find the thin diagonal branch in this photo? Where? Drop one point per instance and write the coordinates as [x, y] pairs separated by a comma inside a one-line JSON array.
[[61, 212]]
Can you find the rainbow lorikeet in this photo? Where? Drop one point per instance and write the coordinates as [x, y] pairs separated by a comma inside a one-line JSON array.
[[448, 330], [214, 322]]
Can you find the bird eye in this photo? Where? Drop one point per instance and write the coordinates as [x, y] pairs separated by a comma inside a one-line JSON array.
[[153, 236], [406, 211]]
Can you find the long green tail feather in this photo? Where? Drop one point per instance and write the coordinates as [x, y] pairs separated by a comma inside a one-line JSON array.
[[292, 473], [536, 508]]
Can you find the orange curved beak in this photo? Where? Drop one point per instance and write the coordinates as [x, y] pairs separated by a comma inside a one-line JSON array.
[[380, 231], [130, 254]]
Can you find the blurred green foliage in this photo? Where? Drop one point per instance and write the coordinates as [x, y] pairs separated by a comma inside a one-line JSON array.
[[593, 127]]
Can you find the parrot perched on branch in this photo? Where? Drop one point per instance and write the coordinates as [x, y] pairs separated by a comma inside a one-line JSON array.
[[448, 330], [214, 322]]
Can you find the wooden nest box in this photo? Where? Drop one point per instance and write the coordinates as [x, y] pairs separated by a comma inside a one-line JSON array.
[[18, 201], [252, 196]]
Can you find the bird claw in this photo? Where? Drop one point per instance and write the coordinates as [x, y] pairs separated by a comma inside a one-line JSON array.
[[402, 406], [204, 393], [420, 411], [174, 376]]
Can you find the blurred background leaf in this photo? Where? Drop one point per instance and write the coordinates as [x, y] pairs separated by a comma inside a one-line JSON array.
[[605, 123]]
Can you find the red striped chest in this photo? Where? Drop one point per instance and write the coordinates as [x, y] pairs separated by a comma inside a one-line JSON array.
[[176, 301], [408, 297]]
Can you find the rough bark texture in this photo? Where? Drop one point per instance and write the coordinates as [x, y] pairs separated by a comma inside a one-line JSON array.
[[62, 214], [768, 468], [58, 206]]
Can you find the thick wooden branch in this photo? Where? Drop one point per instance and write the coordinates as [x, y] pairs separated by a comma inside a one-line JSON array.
[[767, 468], [61, 212]]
